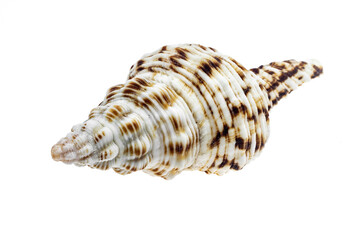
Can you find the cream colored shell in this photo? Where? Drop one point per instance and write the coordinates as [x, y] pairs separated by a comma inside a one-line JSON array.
[[183, 107]]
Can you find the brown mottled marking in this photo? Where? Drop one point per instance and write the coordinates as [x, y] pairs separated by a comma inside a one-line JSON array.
[[262, 144], [238, 64], [205, 67], [136, 125], [225, 130], [201, 81], [163, 49], [160, 100], [188, 146], [179, 148], [110, 116], [216, 140], [283, 93], [243, 108], [102, 157], [251, 117], [143, 82], [135, 86], [110, 95], [165, 149], [240, 143], [114, 88], [214, 64], [247, 90], [255, 70], [240, 73], [274, 102], [160, 173], [129, 91], [140, 62], [266, 112], [139, 69], [273, 86], [269, 71], [172, 68], [282, 77], [317, 72], [123, 129], [234, 165], [235, 111], [137, 151], [147, 103], [293, 72], [224, 162], [175, 62], [128, 150], [277, 66], [212, 49], [114, 112], [258, 142], [130, 127], [285, 75], [248, 145], [171, 148], [117, 107], [202, 47], [175, 123], [218, 59], [302, 65], [166, 98], [182, 54]]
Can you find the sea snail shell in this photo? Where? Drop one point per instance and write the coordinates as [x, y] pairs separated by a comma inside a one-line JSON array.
[[183, 107]]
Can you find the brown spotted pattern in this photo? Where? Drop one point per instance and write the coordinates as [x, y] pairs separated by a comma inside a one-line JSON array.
[[183, 107]]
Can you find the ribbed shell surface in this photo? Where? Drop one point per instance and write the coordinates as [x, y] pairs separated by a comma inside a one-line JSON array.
[[183, 107], [225, 100]]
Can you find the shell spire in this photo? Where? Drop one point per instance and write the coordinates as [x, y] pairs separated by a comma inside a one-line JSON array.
[[281, 78], [183, 107]]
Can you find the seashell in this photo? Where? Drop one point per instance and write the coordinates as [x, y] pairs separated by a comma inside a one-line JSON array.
[[183, 107]]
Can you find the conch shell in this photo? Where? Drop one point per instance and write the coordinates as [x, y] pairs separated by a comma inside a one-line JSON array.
[[183, 107]]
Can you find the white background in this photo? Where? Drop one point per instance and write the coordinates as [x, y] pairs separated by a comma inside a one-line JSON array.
[[58, 58]]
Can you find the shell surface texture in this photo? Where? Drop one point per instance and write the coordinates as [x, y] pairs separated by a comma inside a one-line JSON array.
[[183, 107]]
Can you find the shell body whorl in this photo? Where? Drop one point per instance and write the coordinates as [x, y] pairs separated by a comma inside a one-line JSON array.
[[183, 107]]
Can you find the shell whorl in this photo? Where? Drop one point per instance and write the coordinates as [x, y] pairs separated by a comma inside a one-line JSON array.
[[183, 107]]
